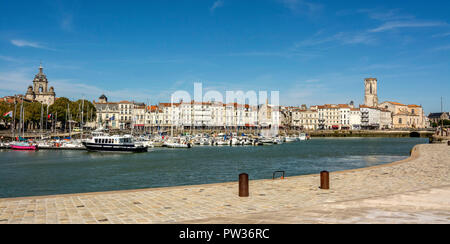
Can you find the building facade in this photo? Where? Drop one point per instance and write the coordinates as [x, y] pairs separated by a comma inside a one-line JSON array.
[[405, 116]]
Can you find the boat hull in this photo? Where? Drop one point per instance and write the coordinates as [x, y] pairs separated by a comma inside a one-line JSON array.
[[113, 148], [27, 148]]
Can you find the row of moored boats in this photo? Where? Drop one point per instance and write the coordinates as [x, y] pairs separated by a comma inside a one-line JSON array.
[[102, 141]]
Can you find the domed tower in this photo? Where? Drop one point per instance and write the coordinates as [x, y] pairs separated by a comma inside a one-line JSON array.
[[40, 82], [103, 99], [370, 94], [40, 92]]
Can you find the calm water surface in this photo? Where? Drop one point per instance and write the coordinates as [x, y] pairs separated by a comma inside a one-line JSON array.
[[58, 172]]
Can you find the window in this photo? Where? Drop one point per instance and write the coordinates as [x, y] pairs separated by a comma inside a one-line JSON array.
[[399, 120]]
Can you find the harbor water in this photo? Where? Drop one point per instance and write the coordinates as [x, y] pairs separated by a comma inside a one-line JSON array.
[[49, 172]]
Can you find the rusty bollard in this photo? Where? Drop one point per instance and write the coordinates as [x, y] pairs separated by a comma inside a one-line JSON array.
[[324, 180], [243, 185]]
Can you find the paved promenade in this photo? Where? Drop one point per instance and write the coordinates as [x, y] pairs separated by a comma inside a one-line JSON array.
[[415, 190]]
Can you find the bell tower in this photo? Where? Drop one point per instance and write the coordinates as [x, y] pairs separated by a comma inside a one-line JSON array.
[[370, 92], [40, 91]]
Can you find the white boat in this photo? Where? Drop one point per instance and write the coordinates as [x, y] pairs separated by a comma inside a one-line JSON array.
[[106, 143], [44, 145], [72, 145], [177, 144], [266, 141], [222, 143], [234, 142], [302, 137], [277, 141], [291, 139]]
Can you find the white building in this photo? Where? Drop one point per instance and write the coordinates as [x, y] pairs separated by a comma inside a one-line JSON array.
[[329, 117], [370, 117], [355, 118], [344, 116]]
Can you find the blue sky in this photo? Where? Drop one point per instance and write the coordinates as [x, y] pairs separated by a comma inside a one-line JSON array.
[[313, 52]]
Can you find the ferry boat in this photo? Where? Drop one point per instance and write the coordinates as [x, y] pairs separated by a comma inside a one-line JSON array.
[[106, 143]]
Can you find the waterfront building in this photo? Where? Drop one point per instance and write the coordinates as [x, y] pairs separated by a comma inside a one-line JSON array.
[[370, 117], [250, 116], [40, 91], [107, 113], [385, 119], [329, 117], [437, 117], [139, 116], [265, 115], [344, 116], [355, 118], [217, 115], [170, 116], [405, 116], [305, 119], [201, 114], [126, 114]]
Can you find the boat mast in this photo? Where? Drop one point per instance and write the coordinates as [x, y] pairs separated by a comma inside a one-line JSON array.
[[13, 127], [23, 120], [46, 120], [133, 117], [42, 118], [20, 117], [56, 122], [82, 120], [69, 117]]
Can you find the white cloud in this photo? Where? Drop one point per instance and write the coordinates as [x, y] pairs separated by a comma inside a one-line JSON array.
[[391, 25], [385, 15], [342, 38], [441, 35], [23, 43], [217, 4]]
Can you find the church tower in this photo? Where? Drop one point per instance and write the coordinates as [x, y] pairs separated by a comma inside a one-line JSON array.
[[40, 91], [370, 92]]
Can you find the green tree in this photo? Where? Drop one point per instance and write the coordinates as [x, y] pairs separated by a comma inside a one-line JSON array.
[[59, 110], [87, 109], [32, 114]]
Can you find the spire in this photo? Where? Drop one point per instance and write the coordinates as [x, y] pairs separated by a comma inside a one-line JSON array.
[[40, 68]]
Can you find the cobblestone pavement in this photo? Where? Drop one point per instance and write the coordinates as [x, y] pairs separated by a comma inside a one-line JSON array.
[[411, 191]]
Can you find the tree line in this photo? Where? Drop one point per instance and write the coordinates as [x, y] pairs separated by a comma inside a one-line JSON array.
[[61, 111]]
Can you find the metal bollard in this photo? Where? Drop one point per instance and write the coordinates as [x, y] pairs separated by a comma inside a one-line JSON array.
[[243, 185], [325, 180]]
